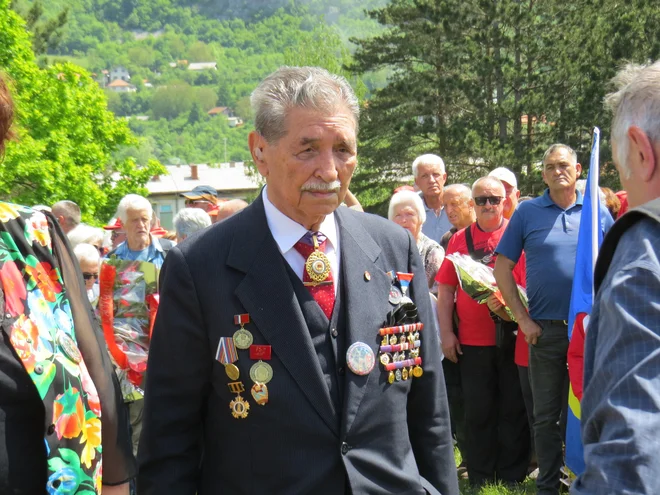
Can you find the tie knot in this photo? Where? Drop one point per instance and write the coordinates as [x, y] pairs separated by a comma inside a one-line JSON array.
[[305, 245]]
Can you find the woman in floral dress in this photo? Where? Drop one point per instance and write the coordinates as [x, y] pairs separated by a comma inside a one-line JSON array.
[[62, 427]]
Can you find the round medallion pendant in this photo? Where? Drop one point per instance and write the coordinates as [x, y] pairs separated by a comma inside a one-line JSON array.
[[317, 266]]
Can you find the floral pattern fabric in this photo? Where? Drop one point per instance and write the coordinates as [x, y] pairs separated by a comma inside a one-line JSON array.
[[43, 337]]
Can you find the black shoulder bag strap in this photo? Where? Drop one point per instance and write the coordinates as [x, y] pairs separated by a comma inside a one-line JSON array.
[[470, 243]]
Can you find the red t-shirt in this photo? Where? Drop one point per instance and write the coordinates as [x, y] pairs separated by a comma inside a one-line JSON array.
[[475, 326]]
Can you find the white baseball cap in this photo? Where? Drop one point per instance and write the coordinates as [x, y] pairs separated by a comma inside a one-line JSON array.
[[505, 175]]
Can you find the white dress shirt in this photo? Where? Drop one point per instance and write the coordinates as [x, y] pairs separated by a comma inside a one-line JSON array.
[[287, 232]]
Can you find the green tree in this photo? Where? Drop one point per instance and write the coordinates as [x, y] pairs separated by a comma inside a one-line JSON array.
[[488, 84], [172, 100], [66, 134]]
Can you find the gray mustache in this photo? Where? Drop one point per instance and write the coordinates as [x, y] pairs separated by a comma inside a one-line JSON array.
[[333, 186]]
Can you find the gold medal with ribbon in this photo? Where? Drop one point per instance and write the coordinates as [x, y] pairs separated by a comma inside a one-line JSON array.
[[317, 264]]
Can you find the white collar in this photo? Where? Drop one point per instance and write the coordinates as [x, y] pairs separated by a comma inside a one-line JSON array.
[[287, 232]]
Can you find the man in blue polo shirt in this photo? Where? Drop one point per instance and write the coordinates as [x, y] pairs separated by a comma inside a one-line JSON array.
[[430, 177], [546, 228]]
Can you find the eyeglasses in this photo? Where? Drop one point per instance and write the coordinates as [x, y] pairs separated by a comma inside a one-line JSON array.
[[87, 275], [493, 200], [116, 233], [192, 202]]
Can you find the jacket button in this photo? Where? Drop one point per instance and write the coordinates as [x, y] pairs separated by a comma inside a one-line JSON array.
[[38, 369], [342, 371], [345, 448], [334, 333], [51, 429]]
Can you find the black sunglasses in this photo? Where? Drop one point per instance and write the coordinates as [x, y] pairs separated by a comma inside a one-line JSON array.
[[493, 200], [87, 276]]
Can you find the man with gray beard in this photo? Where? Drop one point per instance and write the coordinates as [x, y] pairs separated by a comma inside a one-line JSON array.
[[295, 348]]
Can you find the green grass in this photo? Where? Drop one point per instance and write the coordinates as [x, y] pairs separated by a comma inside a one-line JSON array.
[[527, 487]]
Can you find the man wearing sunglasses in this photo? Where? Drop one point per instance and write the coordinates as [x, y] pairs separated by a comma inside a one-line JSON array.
[[546, 229], [495, 417]]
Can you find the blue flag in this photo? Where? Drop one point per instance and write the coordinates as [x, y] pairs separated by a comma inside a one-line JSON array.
[[590, 237]]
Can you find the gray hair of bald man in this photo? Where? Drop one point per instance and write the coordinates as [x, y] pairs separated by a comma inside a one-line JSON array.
[[490, 180], [461, 189], [133, 202], [636, 101], [190, 220], [69, 210], [87, 253], [298, 87], [407, 198], [428, 159]]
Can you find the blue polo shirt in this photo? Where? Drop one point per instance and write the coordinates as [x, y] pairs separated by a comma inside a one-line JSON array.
[[153, 253], [548, 234], [435, 226]]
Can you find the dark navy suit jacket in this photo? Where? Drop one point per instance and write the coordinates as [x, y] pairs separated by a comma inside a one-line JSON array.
[[388, 438]]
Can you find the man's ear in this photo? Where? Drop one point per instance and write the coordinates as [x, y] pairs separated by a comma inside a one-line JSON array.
[[643, 162], [578, 168], [256, 142]]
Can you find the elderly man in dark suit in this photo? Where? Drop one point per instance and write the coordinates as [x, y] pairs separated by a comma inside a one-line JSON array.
[[288, 355]]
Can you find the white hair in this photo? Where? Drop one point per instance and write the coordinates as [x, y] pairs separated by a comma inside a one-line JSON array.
[[190, 220], [84, 233], [87, 253], [301, 87], [407, 198], [133, 202], [557, 147], [635, 102], [461, 189], [428, 159]]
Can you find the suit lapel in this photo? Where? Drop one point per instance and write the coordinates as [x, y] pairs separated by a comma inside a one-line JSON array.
[[364, 299], [268, 296]]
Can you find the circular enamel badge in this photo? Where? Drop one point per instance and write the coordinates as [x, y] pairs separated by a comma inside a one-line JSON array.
[[360, 358], [69, 347], [395, 295]]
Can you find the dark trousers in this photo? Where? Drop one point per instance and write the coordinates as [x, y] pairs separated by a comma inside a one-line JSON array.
[[452, 373], [496, 421], [526, 388], [549, 377]]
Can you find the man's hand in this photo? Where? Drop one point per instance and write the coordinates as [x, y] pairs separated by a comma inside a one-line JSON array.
[[450, 346], [494, 303], [531, 330]]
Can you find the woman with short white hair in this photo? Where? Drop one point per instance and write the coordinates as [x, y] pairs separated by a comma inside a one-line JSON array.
[[86, 234], [89, 260], [407, 209]]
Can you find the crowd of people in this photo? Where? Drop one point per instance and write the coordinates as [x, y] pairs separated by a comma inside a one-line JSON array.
[[298, 345]]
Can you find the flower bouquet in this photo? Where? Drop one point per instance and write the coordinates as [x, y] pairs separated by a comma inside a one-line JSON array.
[[128, 303], [478, 281]]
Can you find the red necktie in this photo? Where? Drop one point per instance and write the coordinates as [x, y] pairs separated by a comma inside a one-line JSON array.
[[323, 294]]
